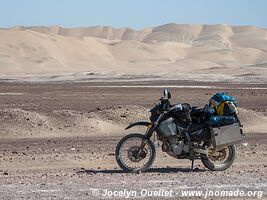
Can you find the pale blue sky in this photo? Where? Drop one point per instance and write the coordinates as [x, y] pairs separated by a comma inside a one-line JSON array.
[[132, 13]]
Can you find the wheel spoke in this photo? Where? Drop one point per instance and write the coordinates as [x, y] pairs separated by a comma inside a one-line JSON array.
[[129, 156], [219, 157]]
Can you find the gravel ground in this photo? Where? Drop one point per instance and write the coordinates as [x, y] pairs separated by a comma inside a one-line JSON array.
[[73, 168]]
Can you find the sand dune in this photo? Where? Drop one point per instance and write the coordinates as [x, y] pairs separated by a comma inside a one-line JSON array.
[[172, 47], [18, 123]]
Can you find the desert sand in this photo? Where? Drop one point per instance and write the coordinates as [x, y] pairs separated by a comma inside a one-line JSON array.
[[49, 110], [224, 52]]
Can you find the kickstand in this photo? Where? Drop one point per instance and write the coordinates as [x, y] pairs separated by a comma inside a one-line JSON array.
[[192, 158], [191, 147], [192, 165]]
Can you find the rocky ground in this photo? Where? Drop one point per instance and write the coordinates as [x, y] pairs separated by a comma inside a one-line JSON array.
[[70, 168], [52, 147]]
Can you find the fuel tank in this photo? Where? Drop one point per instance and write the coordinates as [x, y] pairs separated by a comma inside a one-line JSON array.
[[168, 127]]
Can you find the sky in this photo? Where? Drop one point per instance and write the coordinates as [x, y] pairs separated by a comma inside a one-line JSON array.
[[136, 14]]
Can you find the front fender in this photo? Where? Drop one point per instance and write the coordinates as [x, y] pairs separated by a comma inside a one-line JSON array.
[[140, 123]]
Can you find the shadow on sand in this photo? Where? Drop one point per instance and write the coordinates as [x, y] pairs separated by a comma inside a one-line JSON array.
[[152, 170]]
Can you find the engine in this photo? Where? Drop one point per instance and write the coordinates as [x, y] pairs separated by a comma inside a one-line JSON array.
[[175, 147], [173, 141]]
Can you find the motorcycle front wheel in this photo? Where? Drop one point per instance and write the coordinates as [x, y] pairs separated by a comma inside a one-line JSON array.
[[219, 160], [130, 157]]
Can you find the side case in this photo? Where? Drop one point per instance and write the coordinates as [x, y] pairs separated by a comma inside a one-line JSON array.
[[226, 135]]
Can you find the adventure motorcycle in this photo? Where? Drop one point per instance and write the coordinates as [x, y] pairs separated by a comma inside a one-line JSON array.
[[184, 133]]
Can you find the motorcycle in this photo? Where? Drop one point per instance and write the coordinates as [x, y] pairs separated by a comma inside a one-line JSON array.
[[184, 133]]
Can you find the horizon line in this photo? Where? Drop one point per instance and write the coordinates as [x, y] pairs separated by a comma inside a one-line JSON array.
[[125, 27]]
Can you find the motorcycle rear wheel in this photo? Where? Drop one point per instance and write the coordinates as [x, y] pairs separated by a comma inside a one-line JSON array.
[[219, 160], [127, 157]]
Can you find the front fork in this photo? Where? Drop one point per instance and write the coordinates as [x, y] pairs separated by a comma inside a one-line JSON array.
[[149, 132]]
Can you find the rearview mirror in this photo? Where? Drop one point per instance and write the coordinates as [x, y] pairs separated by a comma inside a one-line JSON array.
[[166, 94]]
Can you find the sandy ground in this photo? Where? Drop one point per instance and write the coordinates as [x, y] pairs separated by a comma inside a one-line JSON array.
[[52, 146], [94, 109]]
